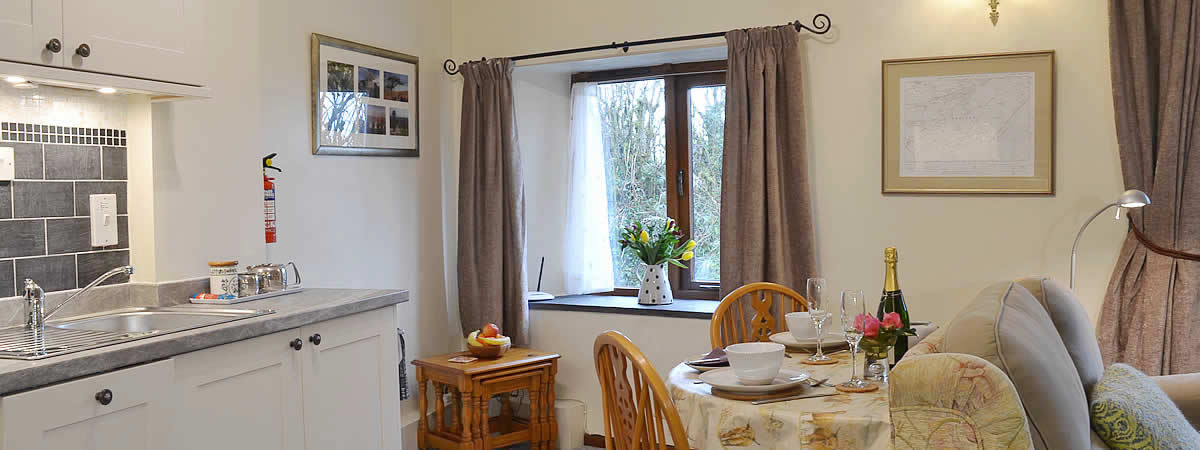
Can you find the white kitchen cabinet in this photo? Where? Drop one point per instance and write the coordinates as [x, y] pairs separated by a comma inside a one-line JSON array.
[[351, 384], [26, 27], [155, 39], [292, 390], [71, 415], [160, 40], [325, 386], [249, 390]]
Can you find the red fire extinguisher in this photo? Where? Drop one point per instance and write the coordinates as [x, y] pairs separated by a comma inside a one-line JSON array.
[[269, 198]]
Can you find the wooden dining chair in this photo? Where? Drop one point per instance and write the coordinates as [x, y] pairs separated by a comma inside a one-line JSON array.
[[636, 402], [752, 313]]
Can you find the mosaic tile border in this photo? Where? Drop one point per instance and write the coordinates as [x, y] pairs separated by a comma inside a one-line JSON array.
[[55, 134]]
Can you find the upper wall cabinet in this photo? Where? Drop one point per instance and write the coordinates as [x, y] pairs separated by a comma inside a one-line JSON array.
[[28, 28], [152, 40], [155, 39]]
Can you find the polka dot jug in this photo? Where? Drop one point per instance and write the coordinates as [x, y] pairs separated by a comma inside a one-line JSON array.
[[656, 290]]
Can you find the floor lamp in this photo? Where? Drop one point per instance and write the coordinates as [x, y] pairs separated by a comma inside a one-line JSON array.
[[1132, 198]]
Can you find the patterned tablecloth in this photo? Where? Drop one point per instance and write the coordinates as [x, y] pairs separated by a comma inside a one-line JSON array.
[[843, 421]]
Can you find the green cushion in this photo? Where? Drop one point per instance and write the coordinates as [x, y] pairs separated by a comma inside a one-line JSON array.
[[1130, 411]]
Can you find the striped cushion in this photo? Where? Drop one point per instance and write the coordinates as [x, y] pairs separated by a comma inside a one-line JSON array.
[[1130, 411]]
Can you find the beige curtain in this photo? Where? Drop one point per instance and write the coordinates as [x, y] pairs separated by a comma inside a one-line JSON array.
[[766, 213], [491, 205], [1152, 304]]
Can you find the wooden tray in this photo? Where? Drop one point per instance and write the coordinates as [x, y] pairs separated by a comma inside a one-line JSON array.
[[752, 397]]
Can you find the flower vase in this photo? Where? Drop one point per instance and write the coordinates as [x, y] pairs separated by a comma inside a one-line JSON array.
[[656, 290], [875, 365]]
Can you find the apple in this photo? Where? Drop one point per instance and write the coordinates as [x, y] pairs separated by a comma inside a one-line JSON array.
[[490, 330]]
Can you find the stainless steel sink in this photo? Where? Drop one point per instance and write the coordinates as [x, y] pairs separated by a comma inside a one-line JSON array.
[[154, 320], [90, 331]]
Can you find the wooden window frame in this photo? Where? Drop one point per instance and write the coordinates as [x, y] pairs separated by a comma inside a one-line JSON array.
[[678, 79]]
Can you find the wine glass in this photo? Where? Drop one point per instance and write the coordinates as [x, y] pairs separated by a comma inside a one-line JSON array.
[[853, 304], [818, 314]]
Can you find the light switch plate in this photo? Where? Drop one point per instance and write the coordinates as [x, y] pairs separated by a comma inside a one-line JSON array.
[[7, 168], [103, 209]]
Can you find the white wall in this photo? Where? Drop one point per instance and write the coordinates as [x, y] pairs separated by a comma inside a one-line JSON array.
[[950, 246], [346, 221], [543, 116]]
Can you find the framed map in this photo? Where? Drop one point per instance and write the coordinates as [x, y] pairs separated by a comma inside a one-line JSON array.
[[981, 124]]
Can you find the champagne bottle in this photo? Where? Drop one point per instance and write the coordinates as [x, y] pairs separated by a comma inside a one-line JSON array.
[[893, 300]]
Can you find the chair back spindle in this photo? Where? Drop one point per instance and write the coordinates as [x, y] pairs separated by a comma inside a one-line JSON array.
[[752, 313], [636, 402]]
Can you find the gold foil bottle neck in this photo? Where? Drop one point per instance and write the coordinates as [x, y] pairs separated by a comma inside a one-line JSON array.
[[891, 281]]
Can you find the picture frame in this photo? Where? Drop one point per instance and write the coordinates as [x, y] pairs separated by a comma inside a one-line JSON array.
[[973, 124], [365, 99]]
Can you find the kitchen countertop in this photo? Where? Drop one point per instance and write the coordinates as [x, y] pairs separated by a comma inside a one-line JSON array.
[[291, 311]]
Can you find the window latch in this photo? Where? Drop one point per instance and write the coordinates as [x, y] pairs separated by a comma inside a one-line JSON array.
[[679, 183]]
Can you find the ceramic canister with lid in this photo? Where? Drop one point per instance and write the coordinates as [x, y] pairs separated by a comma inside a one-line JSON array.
[[222, 277]]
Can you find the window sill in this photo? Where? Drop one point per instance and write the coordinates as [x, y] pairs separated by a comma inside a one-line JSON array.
[[615, 304]]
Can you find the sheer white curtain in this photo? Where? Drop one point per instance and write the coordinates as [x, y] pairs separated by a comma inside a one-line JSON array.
[[588, 264]]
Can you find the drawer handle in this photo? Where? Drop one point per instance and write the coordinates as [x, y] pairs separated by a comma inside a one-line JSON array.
[[54, 45], [315, 339], [104, 397], [84, 50], [297, 344]]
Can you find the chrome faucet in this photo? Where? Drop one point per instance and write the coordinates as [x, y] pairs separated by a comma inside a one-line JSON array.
[[35, 298], [35, 305]]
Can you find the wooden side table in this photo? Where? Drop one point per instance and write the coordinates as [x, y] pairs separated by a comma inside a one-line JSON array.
[[469, 426]]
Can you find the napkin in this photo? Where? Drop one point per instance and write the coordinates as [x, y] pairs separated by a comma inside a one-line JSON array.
[[715, 358]]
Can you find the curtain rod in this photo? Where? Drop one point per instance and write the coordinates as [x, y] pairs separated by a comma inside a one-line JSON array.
[[820, 25]]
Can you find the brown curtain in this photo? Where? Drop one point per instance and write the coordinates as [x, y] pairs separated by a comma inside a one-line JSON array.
[[1153, 300], [766, 213], [491, 205]]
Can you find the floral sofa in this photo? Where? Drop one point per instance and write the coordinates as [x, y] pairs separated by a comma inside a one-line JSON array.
[[1014, 369]]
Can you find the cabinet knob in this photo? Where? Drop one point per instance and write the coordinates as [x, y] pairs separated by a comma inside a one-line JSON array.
[[54, 45], [297, 344], [84, 50], [315, 339], [104, 397]]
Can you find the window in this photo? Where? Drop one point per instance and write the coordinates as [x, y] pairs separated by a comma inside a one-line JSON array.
[[663, 140]]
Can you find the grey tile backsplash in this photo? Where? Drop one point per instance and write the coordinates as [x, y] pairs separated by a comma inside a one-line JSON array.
[[45, 232]]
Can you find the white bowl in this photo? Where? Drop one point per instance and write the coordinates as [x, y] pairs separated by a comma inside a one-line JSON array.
[[755, 363], [801, 326]]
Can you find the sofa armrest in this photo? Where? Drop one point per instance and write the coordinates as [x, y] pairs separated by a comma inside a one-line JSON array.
[[954, 400], [1184, 390], [929, 344]]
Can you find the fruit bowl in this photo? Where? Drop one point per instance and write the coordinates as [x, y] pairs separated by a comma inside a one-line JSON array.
[[488, 351]]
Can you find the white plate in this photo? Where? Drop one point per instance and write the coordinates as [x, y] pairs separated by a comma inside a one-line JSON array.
[[832, 341], [725, 380]]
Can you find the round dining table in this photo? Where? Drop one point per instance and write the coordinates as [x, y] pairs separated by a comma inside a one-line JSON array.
[[841, 421]]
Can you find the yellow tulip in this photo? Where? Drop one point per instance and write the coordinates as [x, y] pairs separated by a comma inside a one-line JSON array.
[[687, 256], [645, 237], [690, 245]]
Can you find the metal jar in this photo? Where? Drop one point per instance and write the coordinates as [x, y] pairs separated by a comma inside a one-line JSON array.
[[249, 284], [275, 277]]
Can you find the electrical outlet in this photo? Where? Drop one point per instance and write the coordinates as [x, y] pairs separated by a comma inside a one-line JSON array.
[[103, 210], [7, 166]]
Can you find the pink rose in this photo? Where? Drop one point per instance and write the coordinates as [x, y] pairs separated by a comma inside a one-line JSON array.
[[892, 321], [870, 325]]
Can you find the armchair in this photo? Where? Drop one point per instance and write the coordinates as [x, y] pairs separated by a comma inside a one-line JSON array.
[[1014, 369]]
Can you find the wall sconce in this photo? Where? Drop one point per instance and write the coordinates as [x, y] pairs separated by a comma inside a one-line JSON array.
[[995, 15]]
